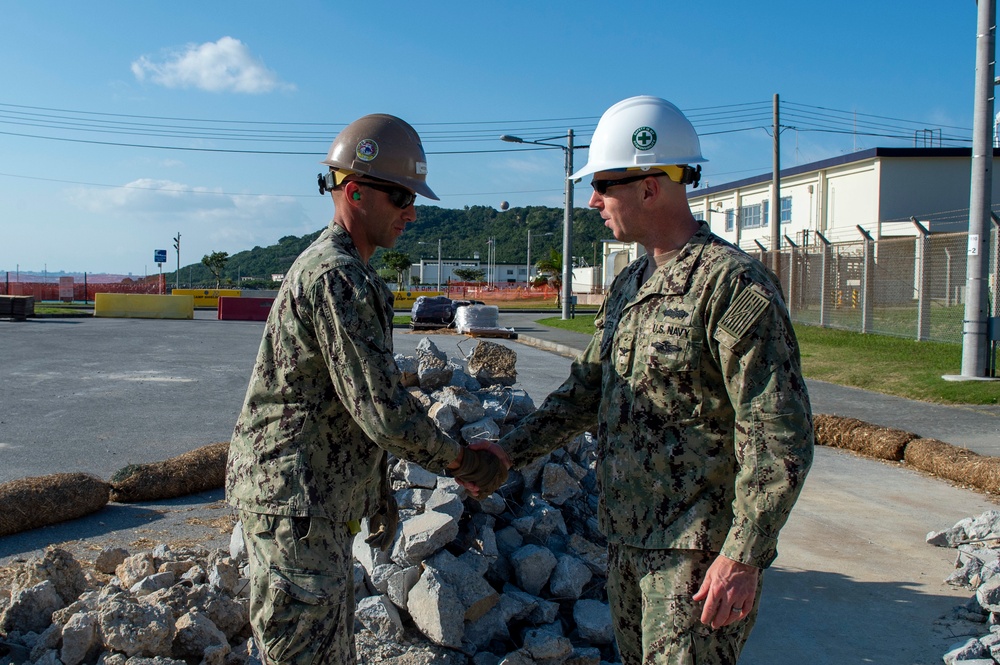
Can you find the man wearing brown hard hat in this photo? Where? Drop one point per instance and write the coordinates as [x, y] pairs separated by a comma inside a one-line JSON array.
[[325, 404]]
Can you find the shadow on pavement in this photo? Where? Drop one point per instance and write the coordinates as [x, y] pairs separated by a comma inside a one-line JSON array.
[[825, 618], [120, 524]]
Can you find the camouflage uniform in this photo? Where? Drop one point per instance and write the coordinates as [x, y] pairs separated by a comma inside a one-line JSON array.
[[703, 422], [323, 405]]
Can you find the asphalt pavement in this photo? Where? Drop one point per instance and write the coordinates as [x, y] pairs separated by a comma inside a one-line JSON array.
[[854, 581]]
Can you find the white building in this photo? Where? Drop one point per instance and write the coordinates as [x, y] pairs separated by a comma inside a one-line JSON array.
[[878, 189], [500, 273]]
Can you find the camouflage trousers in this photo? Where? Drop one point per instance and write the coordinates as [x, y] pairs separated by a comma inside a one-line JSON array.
[[655, 620], [301, 589]]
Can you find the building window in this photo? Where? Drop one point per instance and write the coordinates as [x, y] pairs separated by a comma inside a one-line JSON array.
[[730, 219], [765, 217], [750, 216], [786, 209], [698, 216]]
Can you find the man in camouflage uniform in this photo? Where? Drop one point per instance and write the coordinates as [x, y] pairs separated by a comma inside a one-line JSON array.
[[307, 459], [693, 382]]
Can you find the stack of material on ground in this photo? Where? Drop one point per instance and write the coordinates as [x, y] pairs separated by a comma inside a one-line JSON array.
[[517, 578], [481, 321], [977, 567]]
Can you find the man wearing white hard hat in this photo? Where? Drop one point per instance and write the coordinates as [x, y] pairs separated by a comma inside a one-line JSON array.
[[693, 383]]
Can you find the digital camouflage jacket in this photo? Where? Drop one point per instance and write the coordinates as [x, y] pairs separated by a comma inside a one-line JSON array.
[[702, 417], [325, 400]]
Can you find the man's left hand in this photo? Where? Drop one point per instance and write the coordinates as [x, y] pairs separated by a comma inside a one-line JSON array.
[[729, 591]]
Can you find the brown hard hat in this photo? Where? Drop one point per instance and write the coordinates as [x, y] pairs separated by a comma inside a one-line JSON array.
[[385, 147]]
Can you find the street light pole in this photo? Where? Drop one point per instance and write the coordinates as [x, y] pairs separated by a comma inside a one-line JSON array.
[[568, 231], [439, 265], [567, 266]]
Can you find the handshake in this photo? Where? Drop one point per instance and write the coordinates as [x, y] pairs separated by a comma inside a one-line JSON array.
[[481, 468]]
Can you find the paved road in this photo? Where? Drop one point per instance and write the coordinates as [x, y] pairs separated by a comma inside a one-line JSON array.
[[854, 581]]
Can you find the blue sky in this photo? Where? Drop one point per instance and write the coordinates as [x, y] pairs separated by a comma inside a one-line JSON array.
[[170, 79]]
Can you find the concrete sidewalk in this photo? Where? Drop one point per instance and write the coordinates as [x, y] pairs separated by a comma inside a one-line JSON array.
[[974, 427]]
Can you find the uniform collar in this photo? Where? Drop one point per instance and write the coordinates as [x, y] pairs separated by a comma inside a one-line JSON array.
[[344, 240], [675, 277]]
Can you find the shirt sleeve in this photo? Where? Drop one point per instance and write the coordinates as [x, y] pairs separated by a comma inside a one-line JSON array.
[[759, 357], [352, 333], [567, 412]]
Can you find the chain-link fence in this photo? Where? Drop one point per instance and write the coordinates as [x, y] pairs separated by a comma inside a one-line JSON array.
[[902, 286]]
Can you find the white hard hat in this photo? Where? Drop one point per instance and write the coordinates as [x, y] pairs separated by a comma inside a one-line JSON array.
[[641, 132]]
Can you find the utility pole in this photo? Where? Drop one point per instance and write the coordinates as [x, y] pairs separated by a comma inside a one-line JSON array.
[[177, 275], [776, 196], [974, 343], [567, 280]]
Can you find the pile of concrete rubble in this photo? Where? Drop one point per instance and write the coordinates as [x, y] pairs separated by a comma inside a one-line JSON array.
[[977, 567], [517, 579]]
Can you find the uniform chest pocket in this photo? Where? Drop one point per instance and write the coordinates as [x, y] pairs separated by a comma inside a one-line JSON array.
[[666, 376]]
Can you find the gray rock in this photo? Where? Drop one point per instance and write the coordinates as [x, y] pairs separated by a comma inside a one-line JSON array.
[[422, 535], [437, 610], [447, 502], [400, 584], [134, 568], [988, 594], [237, 543], [546, 646], [493, 364], [484, 428], [475, 594], [135, 628], [532, 566], [151, 583], [593, 621], [379, 615], [466, 405], [195, 634], [558, 486], [408, 370], [109, 559], [31, 609], [415, 475], [965, 651], [428, 349], [443, 416], [432, 372], [57, 566], [569, 577]]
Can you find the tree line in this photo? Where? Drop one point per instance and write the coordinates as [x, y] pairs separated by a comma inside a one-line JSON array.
[[464, 233]]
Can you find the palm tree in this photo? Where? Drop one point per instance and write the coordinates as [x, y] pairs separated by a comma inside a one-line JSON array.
[[551, 269]]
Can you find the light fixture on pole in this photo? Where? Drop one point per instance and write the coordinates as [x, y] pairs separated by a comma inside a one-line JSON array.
[[567, 267]]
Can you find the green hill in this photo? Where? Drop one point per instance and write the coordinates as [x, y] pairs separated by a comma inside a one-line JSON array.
[[463, 233]]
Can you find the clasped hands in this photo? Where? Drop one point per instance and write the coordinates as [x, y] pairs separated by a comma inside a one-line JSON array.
[[481, 468]]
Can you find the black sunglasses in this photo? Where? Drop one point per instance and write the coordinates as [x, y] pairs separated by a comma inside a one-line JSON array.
[[400, 197], [601, 186]]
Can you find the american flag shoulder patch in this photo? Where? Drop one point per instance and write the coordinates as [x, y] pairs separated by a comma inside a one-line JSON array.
[[745, 310]]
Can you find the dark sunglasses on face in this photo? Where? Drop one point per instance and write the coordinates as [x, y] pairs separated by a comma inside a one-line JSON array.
[[400, 197], [601, 186]]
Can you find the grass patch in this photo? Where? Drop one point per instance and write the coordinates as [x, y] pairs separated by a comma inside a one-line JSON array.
[[880, 363], [891, 365], [582, 323]]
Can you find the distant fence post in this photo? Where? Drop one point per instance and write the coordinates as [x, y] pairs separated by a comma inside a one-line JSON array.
[[867, 281], [792, 295], [923, 277], [825, 292]]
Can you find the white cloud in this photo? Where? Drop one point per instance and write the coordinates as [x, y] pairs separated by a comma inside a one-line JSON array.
[[237, 221], [223, 66]]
